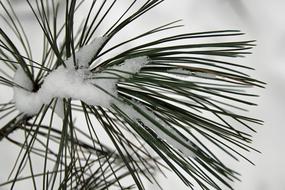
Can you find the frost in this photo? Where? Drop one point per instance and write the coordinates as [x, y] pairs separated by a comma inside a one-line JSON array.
[[98, 89]]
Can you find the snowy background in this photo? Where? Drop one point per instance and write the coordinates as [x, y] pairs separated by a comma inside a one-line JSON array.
[[263, 21]]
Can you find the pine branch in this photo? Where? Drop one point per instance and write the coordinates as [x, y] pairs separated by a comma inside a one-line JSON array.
[[173, 95]]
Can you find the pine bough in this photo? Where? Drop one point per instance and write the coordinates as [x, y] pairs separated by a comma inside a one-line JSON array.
[[166, 103]]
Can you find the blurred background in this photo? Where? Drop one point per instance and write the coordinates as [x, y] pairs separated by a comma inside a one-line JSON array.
[[261, 20]]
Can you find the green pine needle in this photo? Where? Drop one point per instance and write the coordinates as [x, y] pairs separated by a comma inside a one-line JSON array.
[[194, 93]]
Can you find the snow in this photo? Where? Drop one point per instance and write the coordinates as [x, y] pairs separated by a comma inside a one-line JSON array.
[[25, 100], [180, 71], [98, 89], [131, 66], [133, 114], [108, 78], [186, 73], [21, 79], [86, 53], [69, 83], [59, 108], [205, 75]]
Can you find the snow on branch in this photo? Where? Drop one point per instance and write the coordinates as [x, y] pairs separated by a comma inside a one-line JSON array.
[[86, 53], [163, 130], [98, 89]]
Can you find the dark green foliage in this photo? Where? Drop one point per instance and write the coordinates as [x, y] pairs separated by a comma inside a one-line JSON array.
[[192, 87]]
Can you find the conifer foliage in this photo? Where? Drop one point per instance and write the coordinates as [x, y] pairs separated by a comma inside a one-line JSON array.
[[105, 111]]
